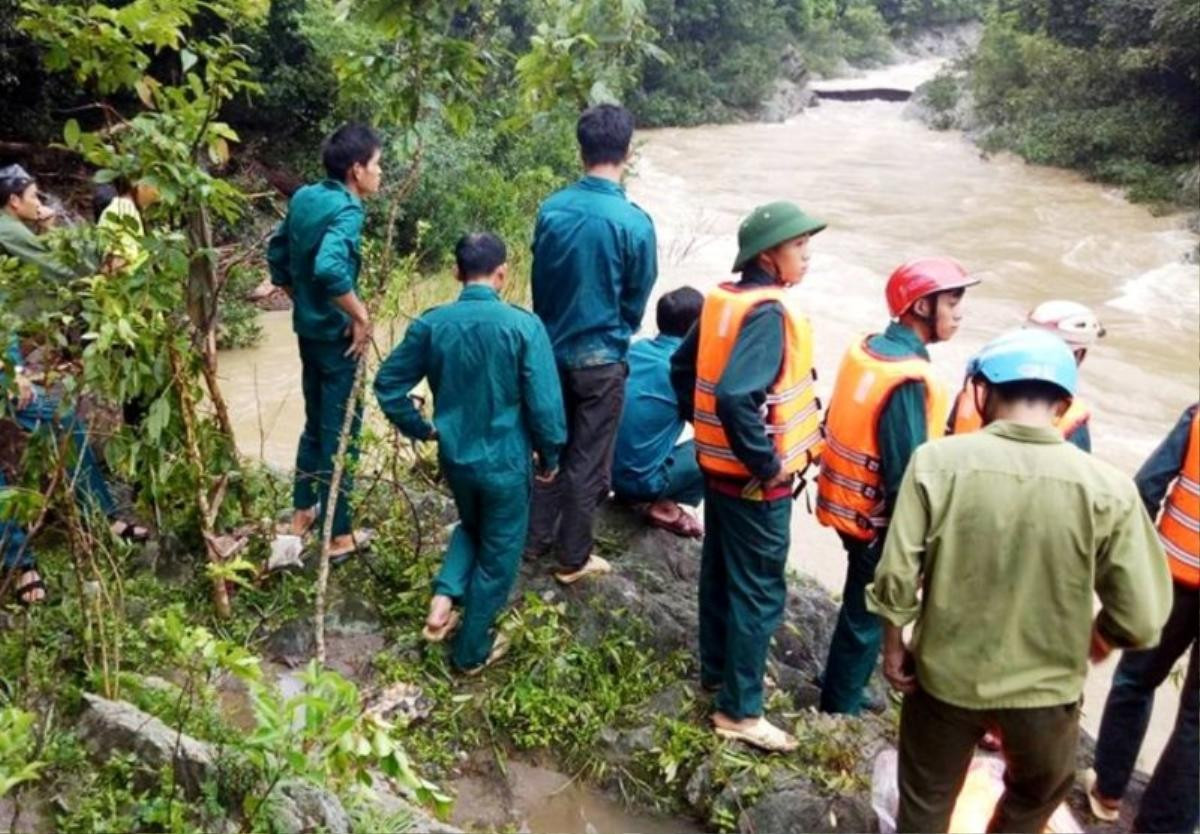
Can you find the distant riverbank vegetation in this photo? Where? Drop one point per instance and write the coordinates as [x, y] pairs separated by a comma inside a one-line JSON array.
[[1108, 87]]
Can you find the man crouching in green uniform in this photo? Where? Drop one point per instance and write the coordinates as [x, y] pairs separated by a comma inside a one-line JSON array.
[[314, 256], [497, 399]]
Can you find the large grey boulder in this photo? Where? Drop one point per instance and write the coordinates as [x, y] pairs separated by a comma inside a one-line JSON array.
[[108, 726], [299, 807]]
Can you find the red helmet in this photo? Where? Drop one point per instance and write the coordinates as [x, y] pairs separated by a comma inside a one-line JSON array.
[[922, 277]]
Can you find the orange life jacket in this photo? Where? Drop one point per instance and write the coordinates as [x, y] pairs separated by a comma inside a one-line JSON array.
[[791, 412], [850, 485], [968, 419], [1179, 522]]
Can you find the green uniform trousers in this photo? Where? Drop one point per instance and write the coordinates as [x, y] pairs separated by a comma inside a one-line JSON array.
[[937, 741], [858, 635], [327, 382], [482, 559], [743, 591]]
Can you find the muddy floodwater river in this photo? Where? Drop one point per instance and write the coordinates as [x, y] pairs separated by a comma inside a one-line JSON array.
[[890, 190]]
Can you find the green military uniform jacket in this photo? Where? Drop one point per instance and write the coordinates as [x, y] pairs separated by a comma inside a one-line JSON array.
[[316, 254], [998, 541], [497, 395]]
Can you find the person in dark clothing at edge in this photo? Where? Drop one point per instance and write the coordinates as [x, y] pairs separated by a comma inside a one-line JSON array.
[[651, 469], [1172, 798], [496, 399], [744, 377], [886, 402], [594, 264], [31, 407], [315, 257]]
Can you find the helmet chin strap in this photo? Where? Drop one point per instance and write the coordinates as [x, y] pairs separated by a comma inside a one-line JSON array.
[[930, 319]]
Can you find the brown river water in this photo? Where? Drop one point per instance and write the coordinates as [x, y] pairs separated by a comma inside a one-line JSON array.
[[890, 190]]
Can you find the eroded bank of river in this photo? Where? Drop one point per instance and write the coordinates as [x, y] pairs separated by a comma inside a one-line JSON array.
[[890, 190]]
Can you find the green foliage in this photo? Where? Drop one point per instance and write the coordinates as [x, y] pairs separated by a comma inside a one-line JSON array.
[[1069, 85], [17, 744]]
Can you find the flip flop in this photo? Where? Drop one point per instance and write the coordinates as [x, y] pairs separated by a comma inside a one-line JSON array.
[[683, 524], [131, 531], [764, 735], [23, 591], [595, 565], [500, 647], [437, 635], [362, 543], [1100, 810]]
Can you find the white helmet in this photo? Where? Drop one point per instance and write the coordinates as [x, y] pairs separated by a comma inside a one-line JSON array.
[[1071, 321]]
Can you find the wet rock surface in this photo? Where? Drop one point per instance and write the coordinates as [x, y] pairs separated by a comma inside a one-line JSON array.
[[108, 726]]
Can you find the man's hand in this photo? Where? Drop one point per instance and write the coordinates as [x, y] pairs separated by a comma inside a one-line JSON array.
[[898, 661], [1100, 649], [360, 337], [782, 478], [547, 477], [25, 390]]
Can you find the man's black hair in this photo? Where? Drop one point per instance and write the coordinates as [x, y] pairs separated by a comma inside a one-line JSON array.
[[678, 310], [479, 254], [1031, 390], [350, 144], [604, 133], [102, 195], [11, 186]]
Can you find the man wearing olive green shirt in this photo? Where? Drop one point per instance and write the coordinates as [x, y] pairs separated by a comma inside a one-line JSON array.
[[998, 540]]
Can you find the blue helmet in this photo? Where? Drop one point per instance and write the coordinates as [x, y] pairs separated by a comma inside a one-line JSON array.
[[1026, 355]]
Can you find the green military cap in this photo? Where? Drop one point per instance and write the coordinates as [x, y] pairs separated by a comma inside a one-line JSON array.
[[771, 225]]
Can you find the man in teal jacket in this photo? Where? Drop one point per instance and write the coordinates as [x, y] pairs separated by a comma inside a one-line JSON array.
[[594, 264], [650, 468], [314, 256], [496, 402]]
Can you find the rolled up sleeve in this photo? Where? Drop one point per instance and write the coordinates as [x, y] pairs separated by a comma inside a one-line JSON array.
[[336, 265], [398, 375], [893, 594]]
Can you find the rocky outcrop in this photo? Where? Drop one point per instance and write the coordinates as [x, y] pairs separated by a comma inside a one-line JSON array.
[[108, 726], [655, 582], [303, 808], [945, 103]]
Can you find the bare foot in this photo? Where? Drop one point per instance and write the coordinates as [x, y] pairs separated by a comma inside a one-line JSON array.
[[30, 589], [439, 611], [723, 721], [302, 521]]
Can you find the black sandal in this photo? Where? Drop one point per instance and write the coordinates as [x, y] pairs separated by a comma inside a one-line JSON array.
[[23, 591], [131, 531]]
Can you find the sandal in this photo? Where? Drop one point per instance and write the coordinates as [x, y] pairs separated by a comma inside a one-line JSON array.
[[25, 591], [129, 531], [1105, 810], [682, 523], [500, 647], [440, 633], [762, 734], [362, 543]]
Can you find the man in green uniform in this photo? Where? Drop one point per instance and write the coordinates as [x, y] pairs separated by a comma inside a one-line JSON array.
[[747, 517], [315, 257], [594, 264], [496, 402], [1003, 610], [925, 298]]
